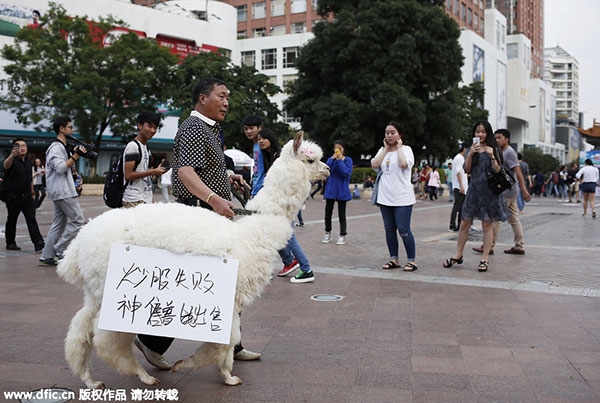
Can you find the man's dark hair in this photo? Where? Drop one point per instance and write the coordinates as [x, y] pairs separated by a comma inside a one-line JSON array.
[[252, 120], [504, 132], [148, 117], [589, 162], [205, 86], [61, 121], [18, 139], [520, 156]]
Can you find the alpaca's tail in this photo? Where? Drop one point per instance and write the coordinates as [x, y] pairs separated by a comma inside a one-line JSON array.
[[68, 267]]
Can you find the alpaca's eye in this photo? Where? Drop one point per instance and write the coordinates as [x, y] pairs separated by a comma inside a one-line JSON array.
[[310, 161]]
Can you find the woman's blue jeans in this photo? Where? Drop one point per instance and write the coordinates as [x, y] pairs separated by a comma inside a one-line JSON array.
[[398, 219], [293, 250]]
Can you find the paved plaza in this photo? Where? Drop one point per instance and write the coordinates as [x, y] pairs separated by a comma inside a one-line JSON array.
[[527, 330]]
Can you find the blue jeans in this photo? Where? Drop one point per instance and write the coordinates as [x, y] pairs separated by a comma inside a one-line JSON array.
[[520, 201], [451, 191], [293, 250], [398, 219]]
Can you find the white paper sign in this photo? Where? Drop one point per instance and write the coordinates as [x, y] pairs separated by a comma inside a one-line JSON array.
[[158, 292]]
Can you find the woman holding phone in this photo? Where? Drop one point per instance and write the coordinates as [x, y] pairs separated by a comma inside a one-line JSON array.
[[480, 203], [395, 196]]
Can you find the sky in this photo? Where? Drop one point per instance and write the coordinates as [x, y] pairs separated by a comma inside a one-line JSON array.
[[574, 25]]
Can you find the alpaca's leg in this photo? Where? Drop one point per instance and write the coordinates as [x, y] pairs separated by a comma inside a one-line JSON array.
[[204, 355], [78, 344], [226, 365], [115, 349]]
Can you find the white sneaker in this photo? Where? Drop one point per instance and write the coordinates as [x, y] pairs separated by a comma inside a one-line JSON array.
[[341, 240], [153, 358], [326, 238]]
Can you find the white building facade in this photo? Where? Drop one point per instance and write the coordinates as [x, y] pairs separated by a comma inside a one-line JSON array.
[[562, 71]]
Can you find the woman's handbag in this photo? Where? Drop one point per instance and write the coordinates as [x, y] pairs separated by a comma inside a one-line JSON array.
[[499, 181], [376, 187]]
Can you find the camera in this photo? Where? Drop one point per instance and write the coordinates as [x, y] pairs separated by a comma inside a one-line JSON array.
[[90, 149]]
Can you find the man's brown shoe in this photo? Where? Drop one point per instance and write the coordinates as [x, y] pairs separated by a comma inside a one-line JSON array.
[[515, 251], [480, 250]]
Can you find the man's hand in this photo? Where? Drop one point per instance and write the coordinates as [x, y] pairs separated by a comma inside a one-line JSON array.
[[221, 206], [238, 182], [159, 170], [462, 190], [526, 195]]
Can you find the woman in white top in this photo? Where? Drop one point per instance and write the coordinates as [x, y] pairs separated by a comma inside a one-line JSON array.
[[588, 176], [394, 195]]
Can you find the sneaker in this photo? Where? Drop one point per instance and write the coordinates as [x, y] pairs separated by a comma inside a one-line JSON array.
[[58, 256], [326, 238], [303, 277], [47, 262], [341, 240], [287, 269], [12, 246], [153, 358], [246, 355], [299, 224]]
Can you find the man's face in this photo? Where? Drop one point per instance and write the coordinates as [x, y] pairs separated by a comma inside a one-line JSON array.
[[501, 140], [67, 130], [147, 130], [22, 148], [252, 131], [216, 104]]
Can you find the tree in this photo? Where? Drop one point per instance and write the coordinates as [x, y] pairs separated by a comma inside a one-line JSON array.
[[538, 161], [61, 68], [378, 61], [249, 95]]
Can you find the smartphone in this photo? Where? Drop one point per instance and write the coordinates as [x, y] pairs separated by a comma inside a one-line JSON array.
[[475, 140], [165, 164]]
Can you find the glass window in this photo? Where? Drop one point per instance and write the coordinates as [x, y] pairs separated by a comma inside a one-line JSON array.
[[298, 27], [470, 17], [456, 8], [259, 32], [298, 6], [289, 56], [481, 25], [449, 4], [512, 51], [315, 4], [241, 13], [463, 11], [272, 80], [476, 22], [259, 10], [248, 58], [289, 79], [242, 34], [269, 59], [278, 30], [277, 7]]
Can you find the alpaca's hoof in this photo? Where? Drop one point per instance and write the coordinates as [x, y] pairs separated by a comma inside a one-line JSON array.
[[177, 366], [233, 380], [95, 385], [149, 380]]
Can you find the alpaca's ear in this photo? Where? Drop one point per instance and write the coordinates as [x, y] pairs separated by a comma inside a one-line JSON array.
[[297, 141]]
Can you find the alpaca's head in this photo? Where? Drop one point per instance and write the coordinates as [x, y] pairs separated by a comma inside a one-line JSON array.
[[309, 154], [287, 185]]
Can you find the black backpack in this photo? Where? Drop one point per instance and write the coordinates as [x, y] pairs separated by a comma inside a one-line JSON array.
[[115, 181]]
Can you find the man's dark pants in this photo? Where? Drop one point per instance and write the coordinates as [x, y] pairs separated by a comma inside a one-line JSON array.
[[160, 344], [15, 205], [459, 198]]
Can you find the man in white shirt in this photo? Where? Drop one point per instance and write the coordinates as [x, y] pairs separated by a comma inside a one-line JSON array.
[[137, 163], [459, 187]]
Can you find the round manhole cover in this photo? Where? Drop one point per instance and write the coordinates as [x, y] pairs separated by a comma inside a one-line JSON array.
[[327, 297], [49, 395]]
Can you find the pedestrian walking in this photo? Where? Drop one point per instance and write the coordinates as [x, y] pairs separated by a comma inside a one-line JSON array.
[[573, 183], [394, 195], [60, 188], [448, 172], [480, 203], [39, 180], [459, 187], [588, 176], [433, 184], [251, 125], [337, 190], [20, 196]]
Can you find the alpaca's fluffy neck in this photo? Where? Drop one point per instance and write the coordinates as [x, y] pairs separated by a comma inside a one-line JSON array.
[[285, 188]]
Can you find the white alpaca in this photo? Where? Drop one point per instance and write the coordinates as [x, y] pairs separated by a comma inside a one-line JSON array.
[[254, 240]]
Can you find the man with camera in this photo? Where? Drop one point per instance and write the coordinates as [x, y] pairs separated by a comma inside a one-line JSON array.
[[68, 217], [19, 196]]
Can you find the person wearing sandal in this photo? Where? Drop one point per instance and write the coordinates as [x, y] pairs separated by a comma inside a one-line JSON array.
[[480, 203], [394, 194], [588, 176]]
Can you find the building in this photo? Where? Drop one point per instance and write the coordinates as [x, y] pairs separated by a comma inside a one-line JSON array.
[[468, 14], [562, 71], [525, 17]]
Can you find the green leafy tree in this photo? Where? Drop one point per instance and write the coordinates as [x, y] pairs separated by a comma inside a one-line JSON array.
[[378, 61], [249, 95], [61, 68], [538, 161]]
